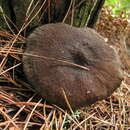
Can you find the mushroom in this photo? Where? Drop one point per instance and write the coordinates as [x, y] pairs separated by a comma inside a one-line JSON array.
[[71, 65]]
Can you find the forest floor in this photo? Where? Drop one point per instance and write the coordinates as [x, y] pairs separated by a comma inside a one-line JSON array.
[[22, 109]]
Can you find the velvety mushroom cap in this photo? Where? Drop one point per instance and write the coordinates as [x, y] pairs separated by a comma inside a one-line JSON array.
[[55, 80]]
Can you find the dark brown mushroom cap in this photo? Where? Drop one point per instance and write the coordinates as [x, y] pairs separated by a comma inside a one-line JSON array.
[[81, 46]]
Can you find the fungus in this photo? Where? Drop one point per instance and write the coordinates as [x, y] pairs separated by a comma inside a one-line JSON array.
[[51, 44]]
